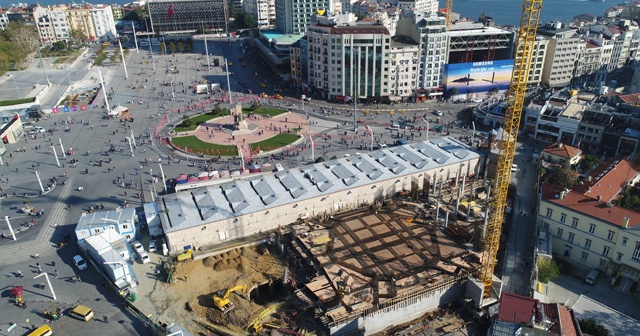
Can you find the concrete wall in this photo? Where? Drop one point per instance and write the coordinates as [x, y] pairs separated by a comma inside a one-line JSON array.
[[325, 204], [402, 312]]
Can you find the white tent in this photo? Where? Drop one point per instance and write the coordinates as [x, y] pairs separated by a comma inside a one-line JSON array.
[[118, 110]]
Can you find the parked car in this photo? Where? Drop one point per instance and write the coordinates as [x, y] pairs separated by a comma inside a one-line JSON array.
[[80, 263], [144, 257], [153, 246], [137, 246], [39, 129], [438, 113]]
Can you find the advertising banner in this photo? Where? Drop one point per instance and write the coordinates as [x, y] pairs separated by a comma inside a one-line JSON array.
[[478, 77]]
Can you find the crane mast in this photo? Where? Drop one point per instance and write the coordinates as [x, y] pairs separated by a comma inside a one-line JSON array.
[[525, 42]]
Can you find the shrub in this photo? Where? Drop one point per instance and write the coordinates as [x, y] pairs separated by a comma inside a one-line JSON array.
[[547, 269]]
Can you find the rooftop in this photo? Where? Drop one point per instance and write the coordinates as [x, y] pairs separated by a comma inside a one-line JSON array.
[[616, 323], [518, 309], [608, 179], [252, 194], [589, 206], [105, 218], [562, 150]]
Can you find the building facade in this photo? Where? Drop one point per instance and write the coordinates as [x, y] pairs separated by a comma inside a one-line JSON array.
[[104, 25], [294, 16], [188, 15], [263, 11], [591, 232], [347, 58], [403, 73], [564, 47], [80, 18]]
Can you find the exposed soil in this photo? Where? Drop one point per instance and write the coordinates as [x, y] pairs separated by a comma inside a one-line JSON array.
[[197, 281]]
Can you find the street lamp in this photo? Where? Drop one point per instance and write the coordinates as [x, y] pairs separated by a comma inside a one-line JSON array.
[[425, 120], [303, 98], [46, 276]]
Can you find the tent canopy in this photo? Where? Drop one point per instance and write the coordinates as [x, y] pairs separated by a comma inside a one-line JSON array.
[[118, 110]]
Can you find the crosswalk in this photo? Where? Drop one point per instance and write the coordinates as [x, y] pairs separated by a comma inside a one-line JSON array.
[[43, 244]]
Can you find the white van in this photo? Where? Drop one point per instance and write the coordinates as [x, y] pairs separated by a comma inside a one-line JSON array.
[[592, 276]]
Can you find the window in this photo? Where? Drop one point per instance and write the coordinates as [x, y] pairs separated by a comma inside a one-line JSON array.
[[567, 251], [624, 241], [610, 235], [563, 218], [605, 251], [549, 212], [587, 243], [571, 236], [574, 223], [603, 263], [125, 226], [636, 252], [592, 228], [584, 256], [619, 257], [559, 233]]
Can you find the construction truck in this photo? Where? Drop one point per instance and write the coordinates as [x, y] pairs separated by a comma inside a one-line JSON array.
[[223, 303], [188, 254]]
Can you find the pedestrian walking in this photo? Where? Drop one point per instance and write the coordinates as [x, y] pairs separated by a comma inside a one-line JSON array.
[[37, 256], [55, 272], [105, 319]]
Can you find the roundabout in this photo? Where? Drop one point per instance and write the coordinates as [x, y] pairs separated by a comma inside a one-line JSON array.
[[241, 132]]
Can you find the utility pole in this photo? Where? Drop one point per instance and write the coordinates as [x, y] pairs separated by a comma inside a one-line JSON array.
[[104, 91], [56, 155], [130, 146], [44, 68], [135, 38], [64, 155], [126, 74], [164, 180], [370, 132], [226, 63], [13, 234], [206, 47], [313, 148], [39, 182]]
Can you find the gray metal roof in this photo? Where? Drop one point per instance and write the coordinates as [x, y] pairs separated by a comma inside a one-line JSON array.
[[251, 193]]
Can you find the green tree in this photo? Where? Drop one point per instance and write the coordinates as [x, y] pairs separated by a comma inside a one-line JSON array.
[[180, 46], [589, 326], [189, 44], [25, 37], [452, 92], [589, 162], [564, 177], [186, 121], [217, 109], [77, 37], [255, 106], [249, 21], [547, 269], [163, 47], [232, 11], [172, 47]]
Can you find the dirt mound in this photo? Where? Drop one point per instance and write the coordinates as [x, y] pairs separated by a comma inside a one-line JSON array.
[[208, 262]]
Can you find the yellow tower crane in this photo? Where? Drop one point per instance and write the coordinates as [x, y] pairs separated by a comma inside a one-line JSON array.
[[525, 42]]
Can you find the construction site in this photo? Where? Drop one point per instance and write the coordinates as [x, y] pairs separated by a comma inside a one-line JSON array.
[[385, 268]]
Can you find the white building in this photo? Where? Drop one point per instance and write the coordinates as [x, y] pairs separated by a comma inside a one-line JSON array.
[[122, 221], [426, 7], [4, 19], [563, 50], [403, 74], [110, 252], [263, 11], [61, 27], [347, 58], [242, 207], [104, 25]]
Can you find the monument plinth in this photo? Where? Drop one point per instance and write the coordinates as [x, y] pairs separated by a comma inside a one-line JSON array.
[[240, 126]]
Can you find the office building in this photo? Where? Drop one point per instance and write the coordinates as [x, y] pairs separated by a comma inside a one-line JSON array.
[[563, 50], [168, 16], [104, 25], [294, 16], [348, 58]]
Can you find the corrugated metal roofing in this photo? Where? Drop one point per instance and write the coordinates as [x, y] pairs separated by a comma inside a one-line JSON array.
[[251, 194]]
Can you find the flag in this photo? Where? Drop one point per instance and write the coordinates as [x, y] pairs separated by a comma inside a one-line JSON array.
[[170, 11]]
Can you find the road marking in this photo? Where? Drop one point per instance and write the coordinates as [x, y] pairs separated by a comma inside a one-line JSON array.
[[23, 251]]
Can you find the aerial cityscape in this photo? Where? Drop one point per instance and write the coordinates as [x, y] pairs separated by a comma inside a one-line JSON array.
[[287, 167]]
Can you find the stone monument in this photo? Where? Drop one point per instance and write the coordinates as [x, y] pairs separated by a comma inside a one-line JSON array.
[[240, 126]]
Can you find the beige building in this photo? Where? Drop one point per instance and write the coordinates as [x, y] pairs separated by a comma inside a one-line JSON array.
[[403, 76], [79, 17], [588, 230], [537, 62], [563, 50], [241, 207]]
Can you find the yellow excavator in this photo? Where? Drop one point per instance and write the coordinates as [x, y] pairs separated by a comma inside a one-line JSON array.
[[223, 303]]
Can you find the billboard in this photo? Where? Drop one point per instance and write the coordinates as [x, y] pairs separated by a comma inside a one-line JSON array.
[[478, 77]]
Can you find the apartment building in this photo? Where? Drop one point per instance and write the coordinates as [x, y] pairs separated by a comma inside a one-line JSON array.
[[348, 58], [299, 64], [556, 118], [427, 7], [45, 29], [537, 62], [27, 15], [564, 47], [263, 11], [588, 230], [591, 65], [61, 26], [188, 15], [79, 17], [294, 16], [559, 154], [104, 25], [4, 19], [403, 73]]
